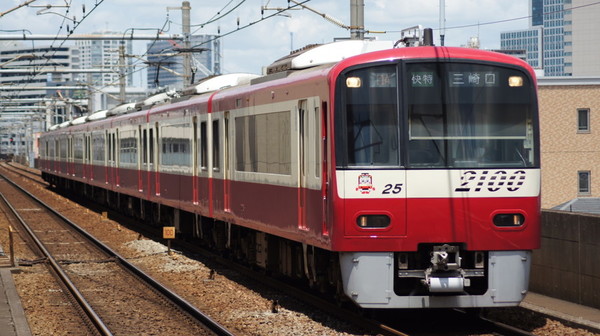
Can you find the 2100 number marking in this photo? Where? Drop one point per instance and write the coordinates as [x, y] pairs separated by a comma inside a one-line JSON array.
[[492, 181]]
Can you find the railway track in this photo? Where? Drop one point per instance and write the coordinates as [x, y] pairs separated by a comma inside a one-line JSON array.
[[33, 175], [458, 322], [115, 296]]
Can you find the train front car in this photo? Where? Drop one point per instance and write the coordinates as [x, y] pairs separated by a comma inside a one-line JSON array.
[[437, 177]]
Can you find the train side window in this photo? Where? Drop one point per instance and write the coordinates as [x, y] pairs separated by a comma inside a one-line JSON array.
[[216, 138], [317, 139], [255, 153], [98, 147], [175, 145], [145, 146], [203, 146], [151, 145], [114, 147]]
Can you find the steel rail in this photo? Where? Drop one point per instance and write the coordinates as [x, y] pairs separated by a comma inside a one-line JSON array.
[[87, 308], [178, 300]]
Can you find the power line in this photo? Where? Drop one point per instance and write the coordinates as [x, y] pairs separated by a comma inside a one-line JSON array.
[[279, 11]]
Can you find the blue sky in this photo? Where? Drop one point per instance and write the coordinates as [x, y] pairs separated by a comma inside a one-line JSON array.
[[249, 49]]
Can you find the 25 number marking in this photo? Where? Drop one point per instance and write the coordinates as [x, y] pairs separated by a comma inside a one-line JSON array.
[[392, 188]]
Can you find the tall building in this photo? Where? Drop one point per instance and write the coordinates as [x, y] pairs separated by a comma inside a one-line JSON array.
[[529, 41], [561, 37], [105, 54], [26, 96], [582, 42], [165, 61], [19, 57]]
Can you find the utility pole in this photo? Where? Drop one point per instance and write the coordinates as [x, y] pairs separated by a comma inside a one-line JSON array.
[[442, 21], [122, 73], [186, 32], [357, 19], [185, 29]]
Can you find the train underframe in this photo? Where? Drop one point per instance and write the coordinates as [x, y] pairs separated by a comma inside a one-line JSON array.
[[315, 267], [440, 275]]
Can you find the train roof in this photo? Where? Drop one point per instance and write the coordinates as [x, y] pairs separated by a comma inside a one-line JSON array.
[[315, 55], [98, 115], [79, 121], [220, 82]]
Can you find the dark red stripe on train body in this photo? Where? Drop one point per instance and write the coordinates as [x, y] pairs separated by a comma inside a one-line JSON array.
[[439, 220]]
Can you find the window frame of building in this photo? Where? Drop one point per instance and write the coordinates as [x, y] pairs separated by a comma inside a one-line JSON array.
[[584, 188], [583, 120]]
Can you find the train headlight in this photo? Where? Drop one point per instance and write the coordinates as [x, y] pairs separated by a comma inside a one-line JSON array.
[[515, 81], [509, 220], [353, 82], [373, 221]]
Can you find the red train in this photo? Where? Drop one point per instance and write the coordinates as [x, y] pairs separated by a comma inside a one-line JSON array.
[[401, 177]]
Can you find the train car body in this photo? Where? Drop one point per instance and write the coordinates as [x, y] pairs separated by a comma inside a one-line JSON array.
[[402, 178]]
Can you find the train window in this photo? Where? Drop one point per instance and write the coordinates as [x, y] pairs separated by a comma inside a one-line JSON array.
[[176, 145], [63, 143], [145, 146], [128, 147], [78, 147], [263, 143], [458, 115], [114, 147], [216, 145], [151, 145], [469, 115], [368, 125], [98, 147], [50, 149], [203, 146], [317, 139]]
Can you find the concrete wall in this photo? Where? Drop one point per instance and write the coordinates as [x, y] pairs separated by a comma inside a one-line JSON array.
[[568, 264]]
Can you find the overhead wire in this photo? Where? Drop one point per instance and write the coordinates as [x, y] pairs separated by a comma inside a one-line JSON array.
[[220, 15], [277, 12], [53, 48]]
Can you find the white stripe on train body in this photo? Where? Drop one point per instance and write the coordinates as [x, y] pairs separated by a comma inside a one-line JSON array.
[[470, 183]]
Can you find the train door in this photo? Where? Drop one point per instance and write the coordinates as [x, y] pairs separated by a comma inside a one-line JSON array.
[[46, 156], [302, 163], [87, 168], [311, 195], [70, 164], [113, 163], [110, 158], [142, 157], [226, 165], [148, 160], [55, 155], [116, 148], [107, 151], [322, 167], [156, 153], [194, 152]]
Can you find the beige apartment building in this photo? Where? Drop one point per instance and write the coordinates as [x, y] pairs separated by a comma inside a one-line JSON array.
[[570, 139]]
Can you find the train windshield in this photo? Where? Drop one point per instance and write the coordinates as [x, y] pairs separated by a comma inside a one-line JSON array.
[[436, 115]]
